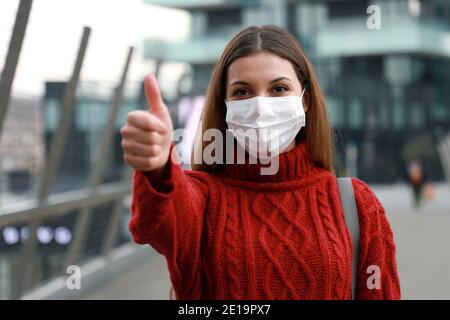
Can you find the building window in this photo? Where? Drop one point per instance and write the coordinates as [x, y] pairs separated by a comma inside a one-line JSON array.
[[126, 107], [219, 21], [399, 116], [437, 10], [91, 115], [417, 116], [347, 9], [52, 107], [355, 114], [335, 111], [383, 115], [439, 112]]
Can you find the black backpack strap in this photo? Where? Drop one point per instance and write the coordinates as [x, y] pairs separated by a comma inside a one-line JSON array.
[[352, 221]]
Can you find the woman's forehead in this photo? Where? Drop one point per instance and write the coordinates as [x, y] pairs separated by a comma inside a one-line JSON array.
[[262, 66]]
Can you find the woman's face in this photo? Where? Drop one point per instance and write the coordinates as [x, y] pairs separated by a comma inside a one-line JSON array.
[[262, 74]]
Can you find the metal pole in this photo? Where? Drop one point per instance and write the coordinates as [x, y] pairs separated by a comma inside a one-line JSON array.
[[98, 165], [59, 138], [83, 219], [113, 227], [12, 57]]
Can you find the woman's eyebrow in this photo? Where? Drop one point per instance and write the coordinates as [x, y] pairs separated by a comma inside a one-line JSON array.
[[246, 83], [239, 82], [279, 79]]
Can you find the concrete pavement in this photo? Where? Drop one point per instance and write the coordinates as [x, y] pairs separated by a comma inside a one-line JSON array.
[[422, 239]]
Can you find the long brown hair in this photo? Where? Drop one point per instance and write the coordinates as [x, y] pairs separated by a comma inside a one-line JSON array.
[[317, 132]]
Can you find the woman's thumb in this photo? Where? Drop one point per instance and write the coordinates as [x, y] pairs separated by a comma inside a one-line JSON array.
[[154, 98]]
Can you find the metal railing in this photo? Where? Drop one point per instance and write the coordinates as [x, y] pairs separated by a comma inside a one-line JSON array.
[[95, 211]]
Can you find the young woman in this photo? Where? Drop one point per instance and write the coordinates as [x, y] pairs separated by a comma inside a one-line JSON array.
[[228, 231]]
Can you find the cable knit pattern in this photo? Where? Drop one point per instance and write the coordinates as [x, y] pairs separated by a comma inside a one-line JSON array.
[[282, 242], [238, 234], [231, 242], [335, 236], [329, 228]]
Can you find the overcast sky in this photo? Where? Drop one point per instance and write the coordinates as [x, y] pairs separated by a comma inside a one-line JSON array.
[[54, 31]]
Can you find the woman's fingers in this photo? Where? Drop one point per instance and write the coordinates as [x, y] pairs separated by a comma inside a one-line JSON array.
[[146, 121], [141, 163], [145, 137], [140, 149]]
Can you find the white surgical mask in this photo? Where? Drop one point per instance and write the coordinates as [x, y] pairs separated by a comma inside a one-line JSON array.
[[265, 126]]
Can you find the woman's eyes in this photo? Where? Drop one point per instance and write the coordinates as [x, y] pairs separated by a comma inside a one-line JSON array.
[[240, 92], [280, 89], [277, 90]]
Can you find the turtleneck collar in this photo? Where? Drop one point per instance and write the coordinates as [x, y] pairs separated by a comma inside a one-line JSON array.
[[292, 165]]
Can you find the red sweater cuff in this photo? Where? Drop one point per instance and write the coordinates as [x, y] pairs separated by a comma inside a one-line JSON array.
[[145, 184]]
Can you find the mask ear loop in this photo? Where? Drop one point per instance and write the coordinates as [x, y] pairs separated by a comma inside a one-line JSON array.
[[301, 96]]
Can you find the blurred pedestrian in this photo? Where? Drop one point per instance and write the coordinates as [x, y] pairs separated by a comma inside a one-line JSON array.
[[417, 179]]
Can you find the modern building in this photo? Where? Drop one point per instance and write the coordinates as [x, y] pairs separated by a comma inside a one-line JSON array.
[[383, 65], [93, 104], [21, 148]]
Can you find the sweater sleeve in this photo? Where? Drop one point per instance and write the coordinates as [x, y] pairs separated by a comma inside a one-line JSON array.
[[377, 269], [169, 216]]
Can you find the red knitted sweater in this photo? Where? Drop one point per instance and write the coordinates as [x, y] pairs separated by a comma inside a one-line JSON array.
[[241, 235]]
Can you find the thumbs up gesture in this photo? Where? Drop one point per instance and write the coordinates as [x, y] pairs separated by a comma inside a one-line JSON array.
[[147, 135]]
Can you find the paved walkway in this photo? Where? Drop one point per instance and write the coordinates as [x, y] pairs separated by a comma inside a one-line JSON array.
[[149, 281], [423, 252], [423, 241]]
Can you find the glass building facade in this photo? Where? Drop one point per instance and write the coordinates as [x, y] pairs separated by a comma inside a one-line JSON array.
[[387, 88]]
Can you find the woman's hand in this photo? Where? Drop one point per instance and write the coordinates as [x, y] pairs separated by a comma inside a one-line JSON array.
[[147, 135]]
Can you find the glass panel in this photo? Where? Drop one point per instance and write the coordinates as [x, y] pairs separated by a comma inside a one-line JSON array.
[[334, 111], [124, 109], [383, 112], [355, 114], [417, 116], [223, 20], [399, 116], [92, 115], [51, 113], [347, 8], [439, 111]]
